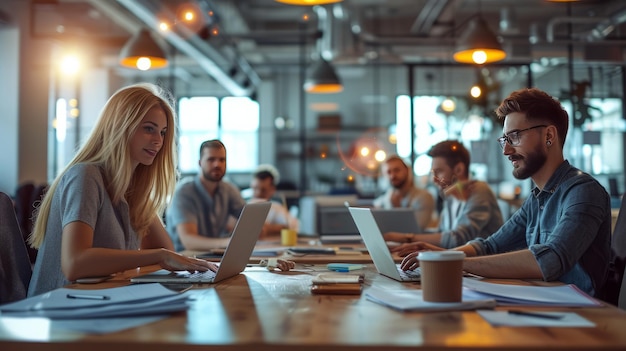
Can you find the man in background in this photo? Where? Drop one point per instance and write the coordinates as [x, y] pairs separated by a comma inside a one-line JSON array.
[[263, 186], [403, 193], [470, 208], [197, 217]]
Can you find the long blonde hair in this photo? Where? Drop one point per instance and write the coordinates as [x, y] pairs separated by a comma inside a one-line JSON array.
[[145, 188]]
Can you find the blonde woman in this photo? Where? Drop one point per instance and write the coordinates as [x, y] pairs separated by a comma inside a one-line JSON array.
[[101, 215]]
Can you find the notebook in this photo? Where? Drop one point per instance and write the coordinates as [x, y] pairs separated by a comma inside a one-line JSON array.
[[235, 258], [377, 248], [401, 220]]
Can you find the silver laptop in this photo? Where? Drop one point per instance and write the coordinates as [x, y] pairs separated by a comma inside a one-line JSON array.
[[401, 220], [377, 248], [235, 258]]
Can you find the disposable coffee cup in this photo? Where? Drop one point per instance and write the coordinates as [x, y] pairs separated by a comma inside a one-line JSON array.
[[441, 275], [288, 237]]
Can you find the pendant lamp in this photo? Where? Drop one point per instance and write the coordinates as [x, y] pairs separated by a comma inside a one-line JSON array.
[[142, 52], [308, 2], [322, 79], [478, 44]]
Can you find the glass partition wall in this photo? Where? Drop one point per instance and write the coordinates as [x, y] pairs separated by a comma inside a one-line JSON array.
[[348, 134]]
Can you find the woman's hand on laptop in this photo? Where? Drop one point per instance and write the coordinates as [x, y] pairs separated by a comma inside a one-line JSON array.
[[405, 249], [173, 261]]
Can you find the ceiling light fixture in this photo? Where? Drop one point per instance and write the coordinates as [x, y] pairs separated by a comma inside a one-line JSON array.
[[478, 44], [322, 79], [142, 52], [308, 2]]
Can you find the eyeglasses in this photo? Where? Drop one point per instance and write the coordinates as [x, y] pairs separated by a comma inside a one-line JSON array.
[[513, 137]]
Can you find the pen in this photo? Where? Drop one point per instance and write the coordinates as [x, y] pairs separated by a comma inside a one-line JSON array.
[[537, 315], [87, 297]]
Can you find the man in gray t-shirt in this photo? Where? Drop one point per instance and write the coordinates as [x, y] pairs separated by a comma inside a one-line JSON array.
[[197, 217]]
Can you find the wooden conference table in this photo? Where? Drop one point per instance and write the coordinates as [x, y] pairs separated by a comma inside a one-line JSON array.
[[261, 310]]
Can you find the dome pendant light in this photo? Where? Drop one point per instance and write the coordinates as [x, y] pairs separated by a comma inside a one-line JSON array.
[[308, 2], [322, 79], [478, 44], [142, 52]]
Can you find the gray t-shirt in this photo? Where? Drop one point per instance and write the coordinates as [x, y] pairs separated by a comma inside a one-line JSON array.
[[192, 204], [80, 196], [476, 217]]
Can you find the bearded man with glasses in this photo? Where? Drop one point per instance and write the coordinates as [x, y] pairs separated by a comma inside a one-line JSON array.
[[562, 231]]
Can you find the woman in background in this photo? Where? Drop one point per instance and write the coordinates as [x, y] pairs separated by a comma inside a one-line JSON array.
[[101, 215]]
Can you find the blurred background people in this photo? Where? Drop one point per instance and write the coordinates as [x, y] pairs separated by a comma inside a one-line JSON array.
[[470, 208], [404, 193], [263, 188]]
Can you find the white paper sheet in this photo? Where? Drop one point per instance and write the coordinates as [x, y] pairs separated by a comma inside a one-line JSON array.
[[504, 318], [58, 298], [506, 294], [412, 300], [132, 300]]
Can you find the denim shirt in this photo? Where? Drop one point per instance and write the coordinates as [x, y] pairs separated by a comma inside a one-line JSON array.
[[567, 227]]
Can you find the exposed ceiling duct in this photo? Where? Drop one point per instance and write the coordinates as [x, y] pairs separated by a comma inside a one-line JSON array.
[[210, 59], [607, 26]]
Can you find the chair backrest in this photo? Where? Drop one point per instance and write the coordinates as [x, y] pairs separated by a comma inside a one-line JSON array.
[[15, 266], [615, 289], [621, 301], [618, 239]]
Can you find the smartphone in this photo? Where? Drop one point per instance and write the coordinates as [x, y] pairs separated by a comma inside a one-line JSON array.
[[93, 280], [312, 251]]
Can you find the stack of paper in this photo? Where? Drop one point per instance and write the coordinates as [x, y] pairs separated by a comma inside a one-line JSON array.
[[412, 300], [505, 294], [132, 300]]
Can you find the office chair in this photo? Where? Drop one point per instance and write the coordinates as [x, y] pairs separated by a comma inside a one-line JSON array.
[[615, 288], [15, 266], [621, 300]]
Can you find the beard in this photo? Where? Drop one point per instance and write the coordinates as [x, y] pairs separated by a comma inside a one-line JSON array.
[[442, 186], [399, 184], [209, 176], [531, 163]]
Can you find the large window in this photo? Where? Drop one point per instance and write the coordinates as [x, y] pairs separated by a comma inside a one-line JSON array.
[[233, 120], [432, 125]]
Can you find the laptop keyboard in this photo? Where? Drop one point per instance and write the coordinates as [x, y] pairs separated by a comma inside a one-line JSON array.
[[197, 275]]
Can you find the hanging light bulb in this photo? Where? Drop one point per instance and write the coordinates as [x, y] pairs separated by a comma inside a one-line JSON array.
[[307, 2], [476, 91], [323, 79], [142, 52], [448, 105], [478, 44]]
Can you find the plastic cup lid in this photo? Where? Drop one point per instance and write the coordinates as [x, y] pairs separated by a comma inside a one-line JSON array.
[[448, 255]]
